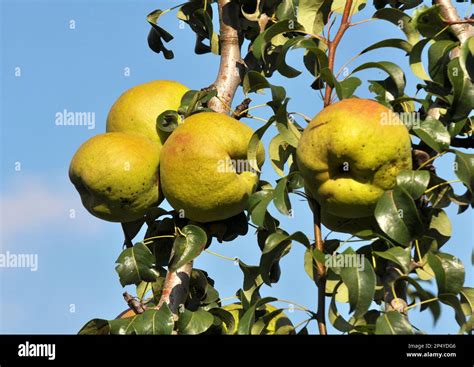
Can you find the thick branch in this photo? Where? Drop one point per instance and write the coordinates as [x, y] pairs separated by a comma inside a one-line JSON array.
[[228, 78], [332, 46], [175, 289]]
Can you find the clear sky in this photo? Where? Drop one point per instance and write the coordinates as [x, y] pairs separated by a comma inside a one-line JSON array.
[[73, 55]]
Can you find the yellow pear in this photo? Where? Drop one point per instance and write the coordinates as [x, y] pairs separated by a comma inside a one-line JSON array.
[[204, 170], [279, 324], [116, 175], [350, 153], [136, 110]]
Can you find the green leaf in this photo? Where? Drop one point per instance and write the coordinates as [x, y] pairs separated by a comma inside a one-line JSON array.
[[467, 300], [257, 206], [401, 20], [440, 227], [255, 82], [248, 318], [335, 317], [187, 246], [276, 246], [312, 13], [168, 121], [339, 5], [429, 22], [463, 90], [155, 322], [157, 35], [397, 216], [361, 285], [279, 152], [416, 63], [260, 43], [434, 134], [136, 264], [393, 323], [313, 50], [281, 198], [438, 58], [347, 87], [466, 58], [398, 255], [449, 272], [393, 70], [252, 283], [391, 42], [193, 323], [123, 326], [254, 145], [413, 182], [453, 301], [95, 327], [464, 169]]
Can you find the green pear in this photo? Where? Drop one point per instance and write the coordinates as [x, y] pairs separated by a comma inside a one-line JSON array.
[[350, 153], [136, 110], [116, 175], [204, 170], [278, 323]]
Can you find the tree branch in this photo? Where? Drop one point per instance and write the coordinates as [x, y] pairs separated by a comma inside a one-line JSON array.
[[176, 287], [228, 78], [332, 46]]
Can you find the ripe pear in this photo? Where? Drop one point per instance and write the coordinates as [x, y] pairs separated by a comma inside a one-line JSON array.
[[136, 110], [204, 170], [350, 153], [116, 175], [279, 323]]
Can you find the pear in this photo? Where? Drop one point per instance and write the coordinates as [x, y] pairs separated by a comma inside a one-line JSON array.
[[116, 175], [350, 153], [136, 110], [204, 171]]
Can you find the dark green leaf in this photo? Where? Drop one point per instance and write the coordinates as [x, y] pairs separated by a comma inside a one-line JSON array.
[[155, 322], [136, 264], [393, 70], [401, 20], [193, 323], [335, 317], [397, 216], [449, 272], [281, 198], [392, 42], [95, 327], [398, 255], [187, 246], [413, 182], [360, 283], [434, 134], [393, 323]]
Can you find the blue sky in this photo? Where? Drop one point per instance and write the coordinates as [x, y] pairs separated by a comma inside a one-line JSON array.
[[82, 70]]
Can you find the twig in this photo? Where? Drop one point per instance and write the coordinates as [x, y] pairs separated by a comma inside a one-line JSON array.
[[242, 109], [332, 46], [133, 303]]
